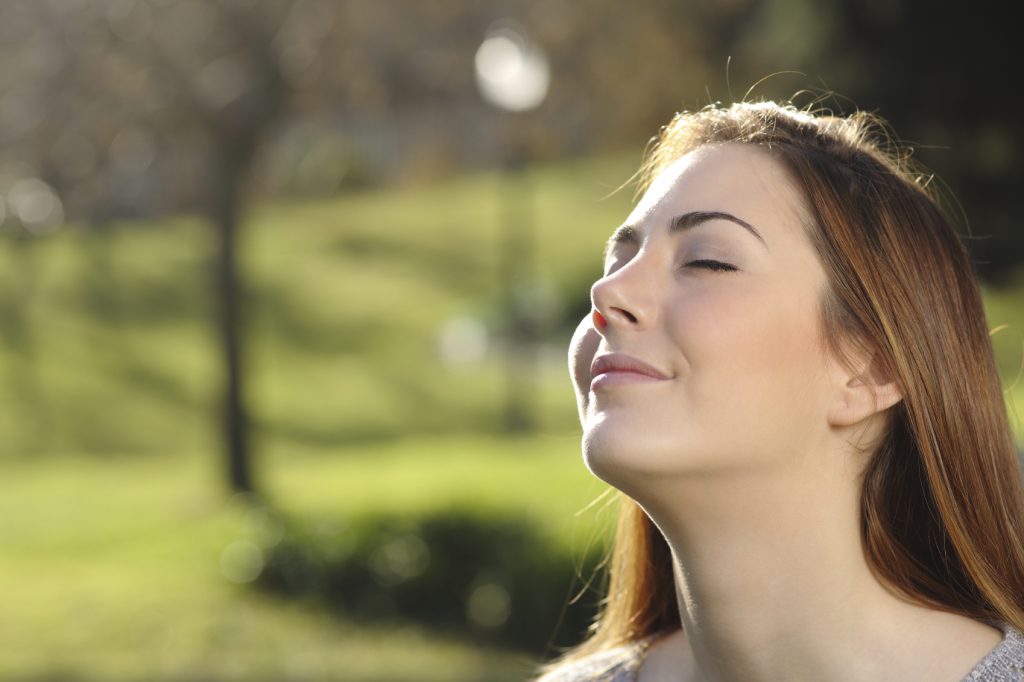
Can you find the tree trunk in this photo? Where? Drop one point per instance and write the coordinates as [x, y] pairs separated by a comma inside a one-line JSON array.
[[229, 317]]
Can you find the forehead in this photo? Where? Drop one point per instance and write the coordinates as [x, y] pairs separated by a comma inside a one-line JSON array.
[[740, 179]]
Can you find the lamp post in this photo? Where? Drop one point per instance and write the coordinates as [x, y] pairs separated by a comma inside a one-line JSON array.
[[512, 74]]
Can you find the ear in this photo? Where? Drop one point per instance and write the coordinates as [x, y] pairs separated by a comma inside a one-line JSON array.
[[859, 393]]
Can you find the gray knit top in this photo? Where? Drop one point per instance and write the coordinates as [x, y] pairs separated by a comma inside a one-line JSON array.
[[1004, 663]]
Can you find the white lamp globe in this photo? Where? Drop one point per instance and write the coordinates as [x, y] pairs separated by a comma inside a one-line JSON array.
[[512, 72]]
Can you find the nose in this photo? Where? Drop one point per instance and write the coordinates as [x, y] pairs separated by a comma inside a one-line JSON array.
[[623, 300]]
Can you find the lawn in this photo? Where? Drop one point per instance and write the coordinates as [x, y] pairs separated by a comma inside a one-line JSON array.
[[112, 570], [348, 303]]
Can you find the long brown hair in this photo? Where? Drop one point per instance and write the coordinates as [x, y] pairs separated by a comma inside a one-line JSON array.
[[942, 501]]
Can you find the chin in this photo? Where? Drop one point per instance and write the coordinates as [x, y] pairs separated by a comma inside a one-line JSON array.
[[599, 460], [622, 460], [638, 456]]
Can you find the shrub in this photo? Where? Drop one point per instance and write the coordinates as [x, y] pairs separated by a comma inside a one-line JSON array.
[[500, 580]]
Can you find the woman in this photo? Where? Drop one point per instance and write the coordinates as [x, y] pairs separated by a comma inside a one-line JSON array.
[[787, 372]]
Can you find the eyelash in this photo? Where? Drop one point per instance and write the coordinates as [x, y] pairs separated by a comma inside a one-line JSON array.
[[713, 265], [704, 263]]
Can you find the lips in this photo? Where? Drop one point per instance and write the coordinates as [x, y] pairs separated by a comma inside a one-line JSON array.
[[621, 368]]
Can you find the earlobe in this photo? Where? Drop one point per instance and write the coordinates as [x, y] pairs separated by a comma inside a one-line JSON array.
[[862, 396]]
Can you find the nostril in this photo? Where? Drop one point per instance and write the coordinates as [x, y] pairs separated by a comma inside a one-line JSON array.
[[599, 321], [628, 315]]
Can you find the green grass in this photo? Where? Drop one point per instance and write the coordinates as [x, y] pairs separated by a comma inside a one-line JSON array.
[[111, 569], [112, 537], [107, 342], [542, 477]]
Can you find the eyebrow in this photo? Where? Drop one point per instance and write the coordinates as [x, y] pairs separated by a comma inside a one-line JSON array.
[[627, 234]]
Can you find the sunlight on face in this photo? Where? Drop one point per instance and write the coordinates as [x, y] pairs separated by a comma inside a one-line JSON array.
[[706, 336]]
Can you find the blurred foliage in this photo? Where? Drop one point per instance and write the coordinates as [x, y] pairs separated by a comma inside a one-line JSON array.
[[130, 108], [497, 580]]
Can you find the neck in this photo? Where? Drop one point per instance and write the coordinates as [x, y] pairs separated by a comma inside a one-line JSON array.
[[772, 583]]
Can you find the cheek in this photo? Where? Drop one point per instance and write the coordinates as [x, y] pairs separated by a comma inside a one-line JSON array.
[[581, 353], [753, 347]]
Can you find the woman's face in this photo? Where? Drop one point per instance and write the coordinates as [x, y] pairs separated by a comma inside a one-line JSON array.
[[703, 354]]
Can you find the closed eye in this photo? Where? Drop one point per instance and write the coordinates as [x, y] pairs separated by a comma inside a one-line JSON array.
[[715, 265]]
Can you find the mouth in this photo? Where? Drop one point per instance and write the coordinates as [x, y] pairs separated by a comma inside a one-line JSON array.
[[614, 369]]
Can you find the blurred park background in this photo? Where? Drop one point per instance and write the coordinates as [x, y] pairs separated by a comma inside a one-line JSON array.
[[286, 286]]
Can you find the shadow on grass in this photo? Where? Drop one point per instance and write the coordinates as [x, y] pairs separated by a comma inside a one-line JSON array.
[[497, 581]]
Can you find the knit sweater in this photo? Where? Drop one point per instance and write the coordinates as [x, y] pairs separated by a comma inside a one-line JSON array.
[[1004, 663]]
